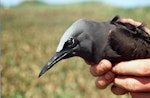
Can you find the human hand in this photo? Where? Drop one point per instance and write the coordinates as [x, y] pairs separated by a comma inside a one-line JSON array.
[[103, 73], [138, 84], [133, 22], [133, 76], [105, 76]]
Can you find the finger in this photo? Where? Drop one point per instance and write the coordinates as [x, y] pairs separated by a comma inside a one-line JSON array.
[[118, 91], [147, 30], [130, 21], [140, 95], [101, 68], [134, 67], [133, 84], [135, 23], [104, 80]]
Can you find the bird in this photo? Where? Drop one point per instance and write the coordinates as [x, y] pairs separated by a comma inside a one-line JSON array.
[[94, 41]]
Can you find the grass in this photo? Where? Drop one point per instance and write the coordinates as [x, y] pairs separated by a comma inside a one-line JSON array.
[[29, 38]]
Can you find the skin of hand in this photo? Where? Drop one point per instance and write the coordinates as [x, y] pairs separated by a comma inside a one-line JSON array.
[[132, 76], [135, 23], [143, 65]]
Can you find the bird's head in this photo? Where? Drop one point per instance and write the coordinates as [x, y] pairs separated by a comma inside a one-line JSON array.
[[75, 42], [84, 38]]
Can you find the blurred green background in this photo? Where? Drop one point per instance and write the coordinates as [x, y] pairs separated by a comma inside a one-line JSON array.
[[30, 35]]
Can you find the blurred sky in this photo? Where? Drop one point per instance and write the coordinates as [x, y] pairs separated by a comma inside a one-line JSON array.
[[122, 3]]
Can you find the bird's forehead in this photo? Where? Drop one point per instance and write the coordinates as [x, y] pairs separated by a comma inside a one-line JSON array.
[[74, 30], [67, 35]]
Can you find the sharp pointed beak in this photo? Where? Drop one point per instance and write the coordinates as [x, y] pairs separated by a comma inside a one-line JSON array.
[[56, 58]]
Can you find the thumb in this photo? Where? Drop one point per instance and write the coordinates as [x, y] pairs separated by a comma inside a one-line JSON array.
[[139, 67]]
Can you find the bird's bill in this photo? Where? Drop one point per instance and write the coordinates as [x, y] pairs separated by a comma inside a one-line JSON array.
[[56, 58]]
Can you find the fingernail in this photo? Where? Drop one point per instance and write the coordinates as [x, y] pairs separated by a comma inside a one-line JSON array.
[[102, 66]]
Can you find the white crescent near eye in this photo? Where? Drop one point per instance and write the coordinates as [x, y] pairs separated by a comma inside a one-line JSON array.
[[67, 35], [70, 32]]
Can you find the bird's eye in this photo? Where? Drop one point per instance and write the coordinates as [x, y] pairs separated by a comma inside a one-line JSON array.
[[70, 43]]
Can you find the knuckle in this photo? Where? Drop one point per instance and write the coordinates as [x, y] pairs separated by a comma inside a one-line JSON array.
[[109, 76], [97, 70]]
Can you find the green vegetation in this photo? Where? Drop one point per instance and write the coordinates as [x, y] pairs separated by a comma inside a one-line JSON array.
[[30, 36]]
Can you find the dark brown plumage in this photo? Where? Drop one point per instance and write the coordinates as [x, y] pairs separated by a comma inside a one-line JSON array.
[[130, 42]]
